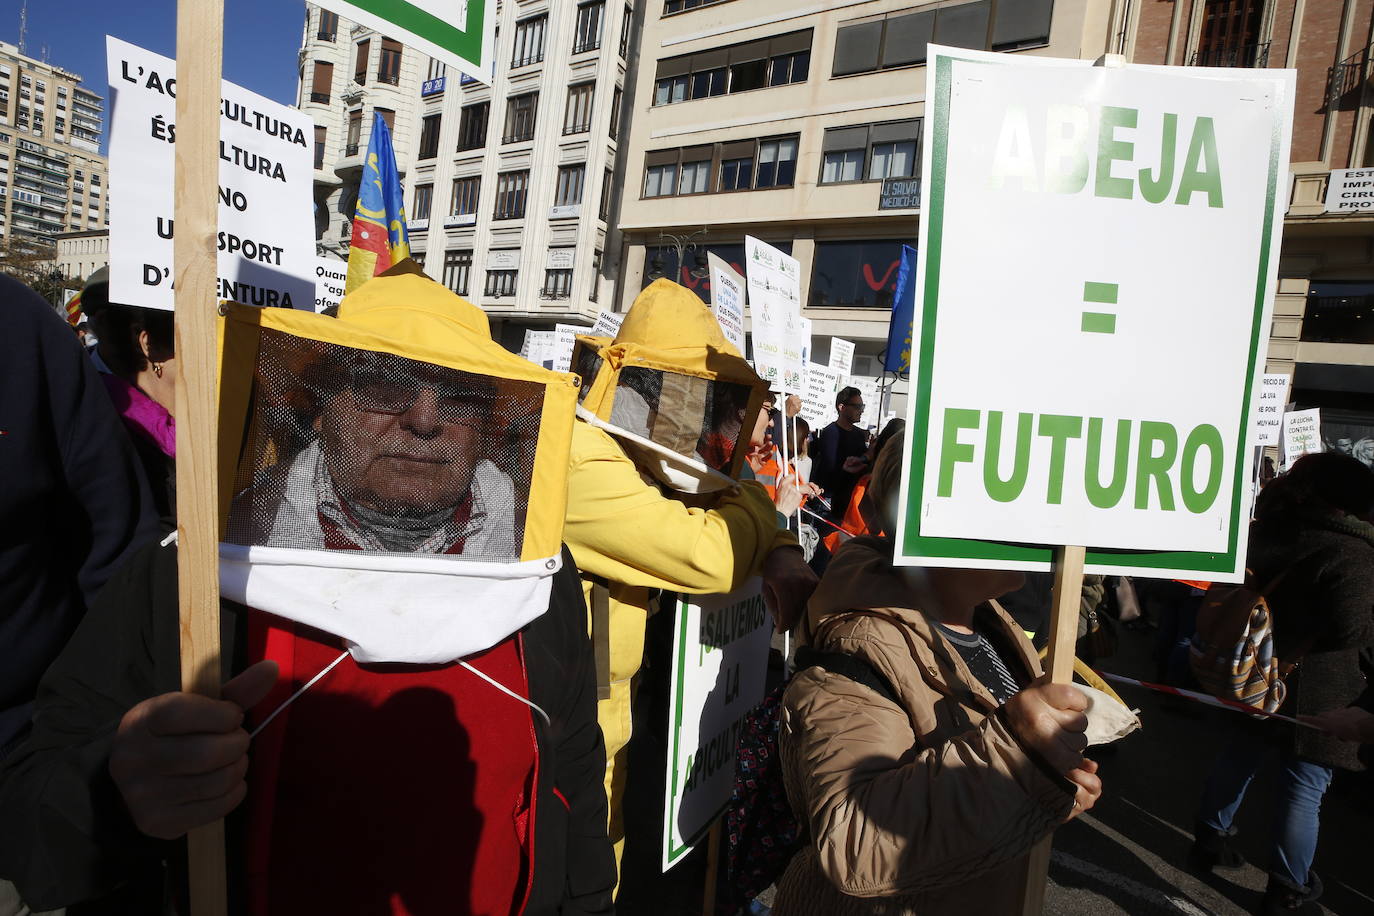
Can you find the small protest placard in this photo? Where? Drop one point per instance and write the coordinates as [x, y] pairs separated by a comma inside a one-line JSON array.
[[841, 355], [607, 324], [1273, 395], [818, 399], [266, 212], [1302, 435], [727, 300], [774, 283], [330, 276], [564, 339]]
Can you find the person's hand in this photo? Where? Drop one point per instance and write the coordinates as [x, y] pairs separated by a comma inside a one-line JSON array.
[[1349, 724], [791, 494], [855, 464], [1089, 788], [787, 585], [793, 406], [1050, 719], [179, 759]]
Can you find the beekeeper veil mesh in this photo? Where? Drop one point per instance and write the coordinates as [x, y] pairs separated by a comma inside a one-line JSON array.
[[402, 489]]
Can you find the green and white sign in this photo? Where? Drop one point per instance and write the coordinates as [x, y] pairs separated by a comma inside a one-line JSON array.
[[1097, 262], [720, 658], [461, 33]]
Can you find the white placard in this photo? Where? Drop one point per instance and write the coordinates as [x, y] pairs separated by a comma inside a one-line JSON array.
[[539, 348], [1093, 186], [872, 391], [818, 400], [841, 355], [1302, 434], [564, 339], [1269, 404], [774, 283], [727, 299], [720, 658], [266, 176], [607, 324], [330, 274], [1350, 191]]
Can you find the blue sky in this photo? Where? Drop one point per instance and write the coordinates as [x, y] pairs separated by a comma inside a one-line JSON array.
[[261, 37]]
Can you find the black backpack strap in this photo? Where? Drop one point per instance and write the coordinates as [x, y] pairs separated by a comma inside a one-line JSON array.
[[845, 665]]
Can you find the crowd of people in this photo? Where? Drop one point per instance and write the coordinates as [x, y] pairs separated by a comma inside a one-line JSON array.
[[439, 565]]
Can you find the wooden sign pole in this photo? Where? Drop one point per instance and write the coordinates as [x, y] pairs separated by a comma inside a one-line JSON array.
[[1067, 596], [200, 44]]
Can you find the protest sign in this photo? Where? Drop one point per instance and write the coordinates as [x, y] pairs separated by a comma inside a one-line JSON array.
[[1302, 435], [818, 397], [1350, 191], [872, 393], [564, 339], [841, 355], [1039, 415], [539, 348], [461, 33], [607, 324], [330, 276], [1273, 395], [266, 236], [727, 300], [774, 284], [720, 657]]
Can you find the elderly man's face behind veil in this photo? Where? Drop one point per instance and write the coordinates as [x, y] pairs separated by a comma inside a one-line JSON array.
[[402, 437]]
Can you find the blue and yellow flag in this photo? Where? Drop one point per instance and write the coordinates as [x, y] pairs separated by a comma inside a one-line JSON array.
[[379, 225], [899, 332]]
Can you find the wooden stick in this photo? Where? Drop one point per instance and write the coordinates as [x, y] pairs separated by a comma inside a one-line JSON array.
[[1067, 596], [708, 892], [200, 25]]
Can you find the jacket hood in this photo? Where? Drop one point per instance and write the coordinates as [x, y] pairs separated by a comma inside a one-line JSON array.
[[403, 303], [669, 317], [860, 575]]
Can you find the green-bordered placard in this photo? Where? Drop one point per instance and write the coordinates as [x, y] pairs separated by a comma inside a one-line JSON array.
[[461, 33], [1096, 268]]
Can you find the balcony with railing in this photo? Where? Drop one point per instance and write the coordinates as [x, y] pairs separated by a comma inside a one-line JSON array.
[[1256, 55], [1345, 81]]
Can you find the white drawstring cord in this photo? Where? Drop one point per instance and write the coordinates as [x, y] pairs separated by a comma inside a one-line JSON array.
[[291, 699], [508, 692], [169, 539]]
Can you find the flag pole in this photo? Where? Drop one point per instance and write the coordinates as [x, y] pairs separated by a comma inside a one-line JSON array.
[[200, 47]]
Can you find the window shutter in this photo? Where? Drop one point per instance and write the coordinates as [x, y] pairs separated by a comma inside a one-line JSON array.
[[963, 26], [790, 43], [896, 131], [856, 48], [845, 138], [660, 157], [1022, 23], [674, 66], [906, 38]]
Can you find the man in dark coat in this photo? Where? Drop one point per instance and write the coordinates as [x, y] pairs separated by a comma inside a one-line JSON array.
[[838, 458]]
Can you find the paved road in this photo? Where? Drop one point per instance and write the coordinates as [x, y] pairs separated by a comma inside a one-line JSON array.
[[1126, 856]]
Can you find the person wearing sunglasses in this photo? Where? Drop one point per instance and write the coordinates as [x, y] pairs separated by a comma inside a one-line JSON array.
[[838, 458]]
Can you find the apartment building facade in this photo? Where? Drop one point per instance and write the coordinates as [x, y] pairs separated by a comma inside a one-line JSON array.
[[509, 185], [1323, 327], [52, 176], [786, 123]]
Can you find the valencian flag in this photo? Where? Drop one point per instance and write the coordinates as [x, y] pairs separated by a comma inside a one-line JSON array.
[[379, 225], [74, 315], [898, 357]]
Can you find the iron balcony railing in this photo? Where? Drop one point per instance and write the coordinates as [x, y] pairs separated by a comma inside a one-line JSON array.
[[1239, 56], [1347, 77]]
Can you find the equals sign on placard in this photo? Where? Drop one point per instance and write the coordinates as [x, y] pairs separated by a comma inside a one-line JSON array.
[[1099, 294]]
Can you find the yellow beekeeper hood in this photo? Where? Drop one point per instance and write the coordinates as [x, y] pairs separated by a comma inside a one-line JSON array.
[[675, 393], [392, 476]]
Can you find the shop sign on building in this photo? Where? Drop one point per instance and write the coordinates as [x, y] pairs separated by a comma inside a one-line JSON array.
[[900, 194], [1350, 191]]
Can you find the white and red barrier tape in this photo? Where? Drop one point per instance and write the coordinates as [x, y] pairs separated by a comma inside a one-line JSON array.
[[1205, 698]]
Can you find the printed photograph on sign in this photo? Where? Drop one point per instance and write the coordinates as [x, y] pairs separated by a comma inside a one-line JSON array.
[[1351, 435], [1040, 416]]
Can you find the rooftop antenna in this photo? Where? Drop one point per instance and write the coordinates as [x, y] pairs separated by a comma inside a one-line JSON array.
[[45, 52], [23, 25]]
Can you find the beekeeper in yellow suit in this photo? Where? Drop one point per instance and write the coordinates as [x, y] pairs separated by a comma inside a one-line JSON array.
[[654, 501]]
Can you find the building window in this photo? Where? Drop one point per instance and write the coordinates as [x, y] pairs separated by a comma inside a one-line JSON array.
[[777, 163], [419, 258], [616, 102], [388, 118], [577, 118], [659, 180], [320, 138], [429, 136], [457, 271], [424, 196], [694, 176], [329, 26], [465, 193], [736, 169], [777, 61], [520, 113], [360, 61], [389, 66], [588, 34], [846, 273], [680, 6], [605, 211], [437, 70], [1339, 311], [570, 181], [510, 194], [501, 283], [321, 81], [871, 152], [557, 284], [625, 33], [900, 39], [529, 41], [472, 126], [355, 132]]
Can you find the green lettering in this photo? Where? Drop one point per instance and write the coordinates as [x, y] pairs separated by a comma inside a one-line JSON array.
[[1207, 177], [1104, 497], [1155, 188], [1199, 501], [1004, 491], [952, 450], [1149, 465], [1059, 429], [1110, 149]]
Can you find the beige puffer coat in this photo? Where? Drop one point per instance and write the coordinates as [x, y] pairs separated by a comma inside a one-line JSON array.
[[925, 806]]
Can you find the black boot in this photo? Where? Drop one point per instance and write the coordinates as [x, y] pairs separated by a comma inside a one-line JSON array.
[[1283, 898], [1214, 848]]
